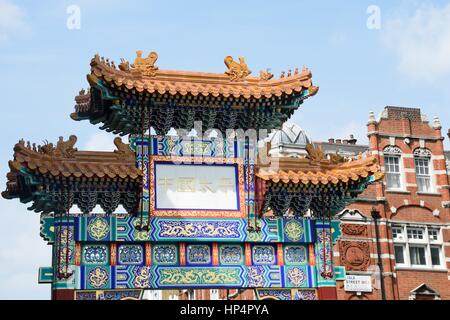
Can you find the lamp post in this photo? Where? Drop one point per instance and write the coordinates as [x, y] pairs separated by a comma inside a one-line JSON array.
[[375, 216]]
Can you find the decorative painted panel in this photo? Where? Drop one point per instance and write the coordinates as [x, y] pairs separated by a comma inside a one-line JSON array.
[[215, 277], [97, 277], [130, 277], [133, 277], [305, 295], [198, 229], [131, 254], [165, 254], [198, 254], [287, 294], [295, 254], [324, 256], [231, 254], [177, 146], [264, 276], [94, 254], [47, 228], [296, 276], [263, 254], [123, 228], [108, 294]]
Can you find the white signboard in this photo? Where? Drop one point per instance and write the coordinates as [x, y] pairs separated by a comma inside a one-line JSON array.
[[196, 187], [356, 283]]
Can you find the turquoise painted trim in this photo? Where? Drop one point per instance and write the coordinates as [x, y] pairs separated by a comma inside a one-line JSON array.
[[340, 273], [166, 277], [45, 275], [122, 228]]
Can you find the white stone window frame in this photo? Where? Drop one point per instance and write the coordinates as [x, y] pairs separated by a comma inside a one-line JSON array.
[[425, 154], [394, 151], [406, 243]]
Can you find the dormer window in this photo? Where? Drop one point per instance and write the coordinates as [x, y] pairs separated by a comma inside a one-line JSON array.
[[392, 157], [422, 158]]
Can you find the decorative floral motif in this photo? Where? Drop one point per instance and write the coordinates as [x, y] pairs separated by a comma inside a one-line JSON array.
[[198, 254], [142, 277], [98, 228], [66, 234], [98, 277], [165, 254], [263, 255], [354, 229], [199, 276], [255, 276], [142, 234], [305, 295], [255, 236], [65, 253], [295, 254], [199, 229], [131, 254], [294, 230], [95, 254], [296, 276], [230, 254], [275, 294]]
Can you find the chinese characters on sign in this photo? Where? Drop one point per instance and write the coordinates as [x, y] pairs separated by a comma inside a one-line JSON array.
[[185, 187]]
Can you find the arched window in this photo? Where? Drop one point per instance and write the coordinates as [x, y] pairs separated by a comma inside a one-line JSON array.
[[392, 157], [422, 159]]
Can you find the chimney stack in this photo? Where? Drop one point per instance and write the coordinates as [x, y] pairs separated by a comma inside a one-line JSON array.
[[352, 139]]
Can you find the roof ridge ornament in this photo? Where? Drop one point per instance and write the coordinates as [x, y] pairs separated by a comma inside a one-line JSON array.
[[314, 154], [143, 66], [123, 149], [236, 71], [265, 75], [63, 149]]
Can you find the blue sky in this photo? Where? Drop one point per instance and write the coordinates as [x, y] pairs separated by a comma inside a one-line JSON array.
[[43, 65]]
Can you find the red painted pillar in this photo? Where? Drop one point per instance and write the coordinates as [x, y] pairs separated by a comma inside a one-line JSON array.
[[63, 294], [327, 293]]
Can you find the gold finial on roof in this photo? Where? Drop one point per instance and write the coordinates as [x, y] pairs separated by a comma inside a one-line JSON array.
[[336, 158], [144, 66], [265, 75], [236, 71], [123, 149], [314, 154]]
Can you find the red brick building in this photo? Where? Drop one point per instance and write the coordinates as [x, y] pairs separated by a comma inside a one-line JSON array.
[[399, 225], [412, 205]]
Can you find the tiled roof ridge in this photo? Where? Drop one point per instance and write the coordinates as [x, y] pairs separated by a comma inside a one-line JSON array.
[[68, 161], [324, 171], [206, 83]]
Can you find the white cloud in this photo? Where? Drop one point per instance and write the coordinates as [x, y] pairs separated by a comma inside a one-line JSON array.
[[11, 19], [421, 42], [100, 141]]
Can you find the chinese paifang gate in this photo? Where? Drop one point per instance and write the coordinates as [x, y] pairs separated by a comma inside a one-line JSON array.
[[184, 211]]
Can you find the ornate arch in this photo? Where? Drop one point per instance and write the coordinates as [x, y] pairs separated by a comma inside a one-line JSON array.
[[422, 152], [392, 150]]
